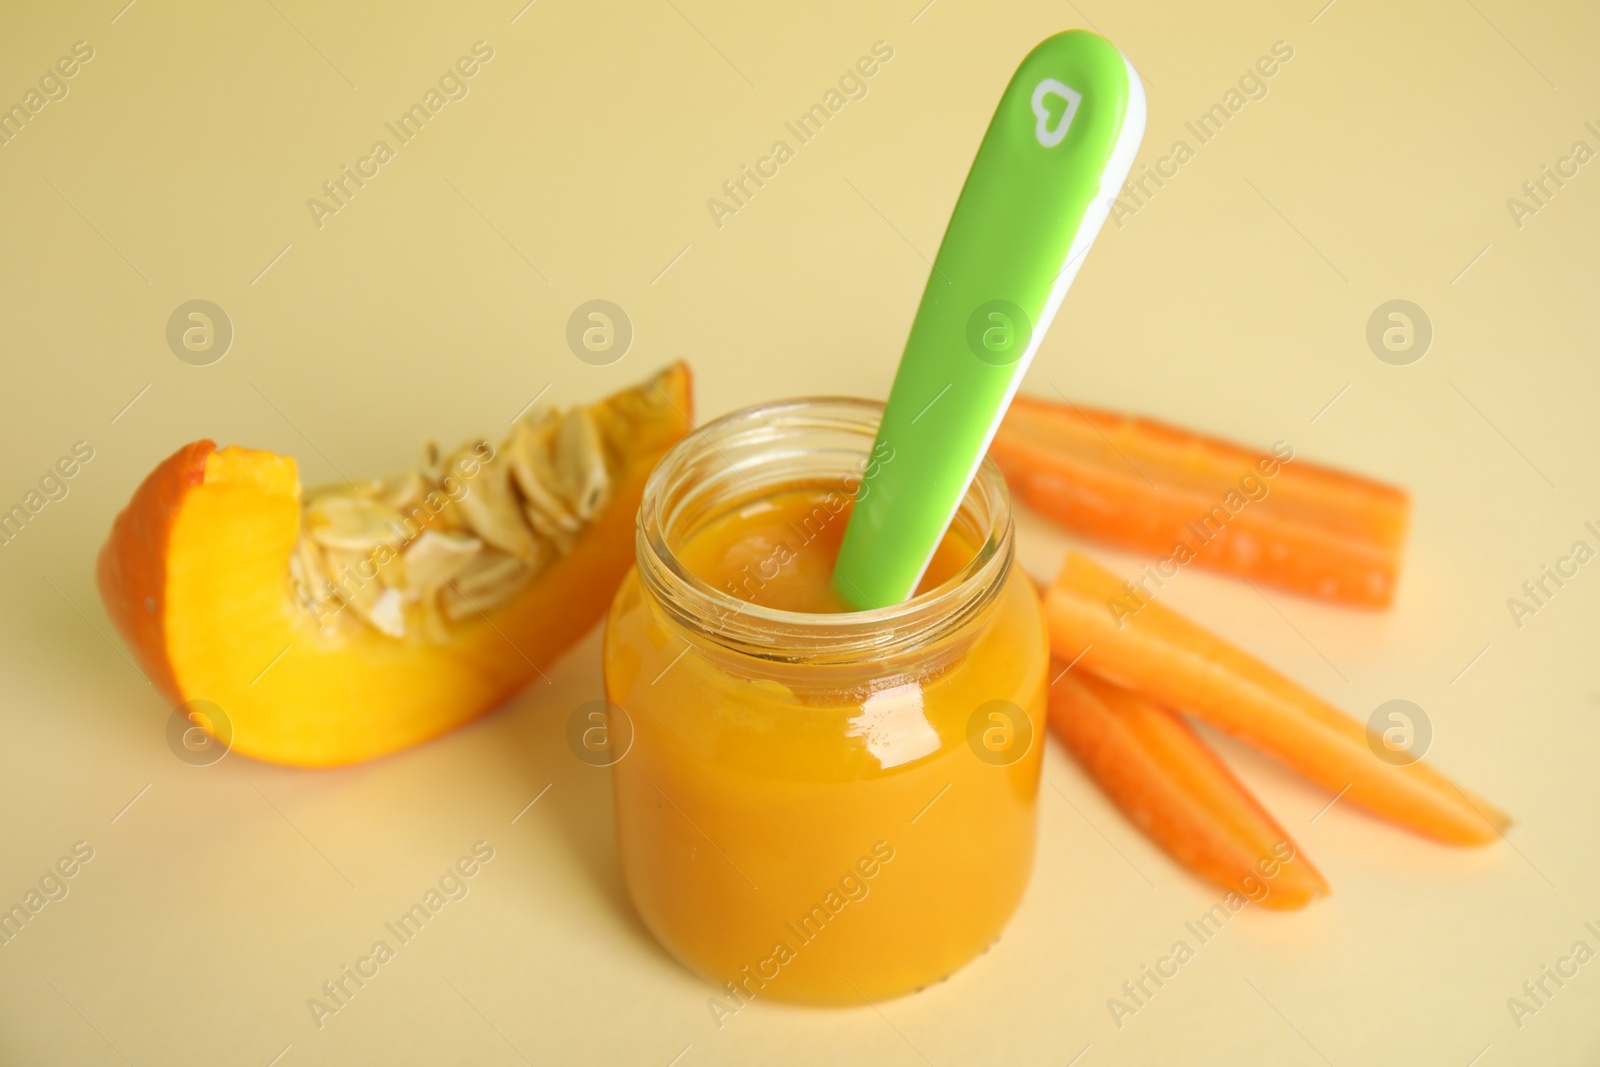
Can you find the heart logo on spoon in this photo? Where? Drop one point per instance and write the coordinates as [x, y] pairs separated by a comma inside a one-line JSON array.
[[1046, 134]]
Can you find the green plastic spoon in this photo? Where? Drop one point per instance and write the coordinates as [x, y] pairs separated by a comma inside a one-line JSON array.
[[1056, 154]]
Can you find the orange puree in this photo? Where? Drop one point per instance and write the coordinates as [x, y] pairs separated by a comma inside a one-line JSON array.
[[778, 551], [823, 828]]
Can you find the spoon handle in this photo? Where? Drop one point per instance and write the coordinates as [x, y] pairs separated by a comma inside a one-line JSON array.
[[1054, 158]]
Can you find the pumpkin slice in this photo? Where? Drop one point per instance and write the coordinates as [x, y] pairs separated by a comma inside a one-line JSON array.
[[357, 620]]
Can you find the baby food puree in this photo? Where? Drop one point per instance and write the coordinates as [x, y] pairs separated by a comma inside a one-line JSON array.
[[819, 805]]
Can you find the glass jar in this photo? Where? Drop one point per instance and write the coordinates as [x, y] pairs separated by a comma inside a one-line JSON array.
[[821, 807]]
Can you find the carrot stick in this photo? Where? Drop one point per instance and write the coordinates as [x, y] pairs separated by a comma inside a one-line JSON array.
[[1188, 498], [1142, 645], [1175, 789]]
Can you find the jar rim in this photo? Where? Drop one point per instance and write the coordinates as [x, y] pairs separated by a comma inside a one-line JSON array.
[[775, 633]]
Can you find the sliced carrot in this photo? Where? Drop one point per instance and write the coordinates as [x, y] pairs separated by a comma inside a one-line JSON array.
[[1162, 655], [1188, 498], [1174, 788]]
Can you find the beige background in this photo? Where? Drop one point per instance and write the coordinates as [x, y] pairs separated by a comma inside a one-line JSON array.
[[1235, 300]]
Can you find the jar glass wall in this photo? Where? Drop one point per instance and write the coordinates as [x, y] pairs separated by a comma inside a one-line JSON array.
[[821, 806]]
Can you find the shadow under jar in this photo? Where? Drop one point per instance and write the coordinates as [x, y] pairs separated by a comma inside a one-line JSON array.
[[819, 806]]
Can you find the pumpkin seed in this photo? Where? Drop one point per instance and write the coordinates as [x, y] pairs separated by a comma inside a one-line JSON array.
[[429, 549]]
